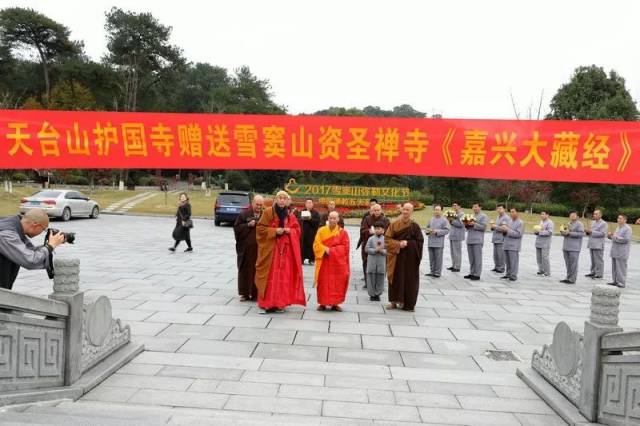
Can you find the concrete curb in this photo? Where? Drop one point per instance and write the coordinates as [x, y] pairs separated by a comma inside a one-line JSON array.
[[561, 405], [88, 381]]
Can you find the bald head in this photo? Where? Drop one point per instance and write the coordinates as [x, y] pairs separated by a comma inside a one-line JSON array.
[[334, 218], [407, 211], [375, 210], [257, 203], [34, 222]]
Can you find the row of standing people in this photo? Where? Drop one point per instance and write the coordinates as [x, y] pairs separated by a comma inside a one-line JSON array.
[[507, 232]]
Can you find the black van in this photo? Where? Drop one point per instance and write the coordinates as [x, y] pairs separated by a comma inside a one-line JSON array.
[[229, 204]]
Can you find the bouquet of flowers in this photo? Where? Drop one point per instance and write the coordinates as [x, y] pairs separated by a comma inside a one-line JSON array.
[[537, 228], [450, 215], [564, 228], [468, 220]]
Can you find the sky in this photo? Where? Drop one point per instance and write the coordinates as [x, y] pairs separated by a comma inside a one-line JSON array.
[[461, 59]]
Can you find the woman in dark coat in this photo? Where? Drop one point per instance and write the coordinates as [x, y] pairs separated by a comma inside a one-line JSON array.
[[182, 231]]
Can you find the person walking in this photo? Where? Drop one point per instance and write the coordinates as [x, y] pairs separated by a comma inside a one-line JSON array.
[[182, 231]]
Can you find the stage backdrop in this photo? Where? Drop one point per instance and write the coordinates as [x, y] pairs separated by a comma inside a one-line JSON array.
[[572, 151]]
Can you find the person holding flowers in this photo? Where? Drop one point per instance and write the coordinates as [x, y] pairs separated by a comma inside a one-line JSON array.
[[498, 239], [573, 232], [456, 236], [436, 231], [543, 232], [476, 226]]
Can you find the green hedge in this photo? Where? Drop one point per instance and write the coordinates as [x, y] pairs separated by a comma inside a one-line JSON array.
[[77, 180], [633, 214], [554, 209]]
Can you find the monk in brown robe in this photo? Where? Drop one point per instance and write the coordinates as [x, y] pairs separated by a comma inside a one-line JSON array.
[[366, 230], [324, 217], [404, 242], [244, 229]]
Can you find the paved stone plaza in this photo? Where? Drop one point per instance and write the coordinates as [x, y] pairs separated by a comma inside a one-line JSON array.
[[211, 359]]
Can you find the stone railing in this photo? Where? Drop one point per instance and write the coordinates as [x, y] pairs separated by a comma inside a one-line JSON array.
[[597, 372], [61, 341]]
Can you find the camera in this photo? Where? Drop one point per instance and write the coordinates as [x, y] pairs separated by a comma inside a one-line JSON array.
[[69, 237]]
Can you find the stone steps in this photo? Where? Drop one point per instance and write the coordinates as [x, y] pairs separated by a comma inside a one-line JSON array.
[[90, 413]]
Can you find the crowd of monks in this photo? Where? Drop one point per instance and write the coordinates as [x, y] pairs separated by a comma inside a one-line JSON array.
[[273, 243]]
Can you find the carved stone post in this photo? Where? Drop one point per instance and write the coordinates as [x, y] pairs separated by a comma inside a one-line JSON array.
[[66, 288], [605, 303]]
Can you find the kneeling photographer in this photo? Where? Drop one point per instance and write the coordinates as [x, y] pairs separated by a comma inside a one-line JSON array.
[[16, 250]]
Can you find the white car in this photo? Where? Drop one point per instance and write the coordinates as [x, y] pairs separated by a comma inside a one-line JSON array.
[[62, 203]]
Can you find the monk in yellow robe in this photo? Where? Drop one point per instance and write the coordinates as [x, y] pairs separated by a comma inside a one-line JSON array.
[[331, 250]]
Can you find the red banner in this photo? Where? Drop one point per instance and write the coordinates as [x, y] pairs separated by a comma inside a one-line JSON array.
[[572, 151]]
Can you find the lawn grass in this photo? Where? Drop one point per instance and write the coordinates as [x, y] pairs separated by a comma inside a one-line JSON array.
[[423, 216], [202, 206]]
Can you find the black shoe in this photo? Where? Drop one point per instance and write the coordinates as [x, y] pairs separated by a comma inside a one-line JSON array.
[[564, 281], [364, 287], [455, 270], [595, 277], [451, 268], [613, 283], [372, 298], [172, 249], [467, 276], [376, 298], [188, 250], [496, 270], [589, 275], [506, 277], [429, 275], [435, 276], [539, 273], [512, 279], [474, 278]]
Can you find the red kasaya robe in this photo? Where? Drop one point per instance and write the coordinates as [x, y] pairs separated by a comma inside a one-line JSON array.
[[332, 271], [278, 267]]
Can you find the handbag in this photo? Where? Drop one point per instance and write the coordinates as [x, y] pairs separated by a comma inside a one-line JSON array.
[[187, 223]]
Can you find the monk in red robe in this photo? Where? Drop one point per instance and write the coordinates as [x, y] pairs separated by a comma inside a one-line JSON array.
[[279, 267], [331, 249]]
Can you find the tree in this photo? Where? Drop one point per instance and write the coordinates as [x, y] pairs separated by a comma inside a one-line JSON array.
[[26, 29], [530, 192], [585, 197], [591, 94], [139, 48]]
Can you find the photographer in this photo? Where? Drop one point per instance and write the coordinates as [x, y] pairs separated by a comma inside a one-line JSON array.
[[16, 250]]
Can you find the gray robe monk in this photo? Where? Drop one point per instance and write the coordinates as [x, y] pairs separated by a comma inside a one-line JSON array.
[[435, 243], [512, 245], [475, 241], [571, 249], [497, 239], [620, 247], [596, 247], [456, 237], [543, 244], [376, 265]]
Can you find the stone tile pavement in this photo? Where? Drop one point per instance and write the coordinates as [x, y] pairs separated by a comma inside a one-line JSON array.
[[212, 359]]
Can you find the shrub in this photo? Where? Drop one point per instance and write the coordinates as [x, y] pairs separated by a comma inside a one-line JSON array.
[[19, 177], [633, 213], [423, 197], [77, 180], [146, 181]]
